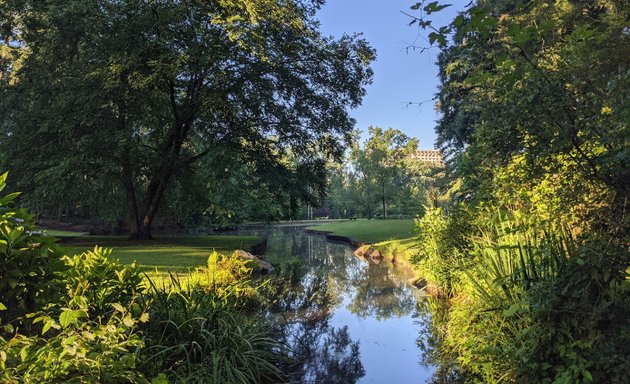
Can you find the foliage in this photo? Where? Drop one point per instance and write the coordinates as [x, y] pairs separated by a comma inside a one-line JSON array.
[[442, 246], [533, 125], [379, 163], [89, 334], [102, 281], [223, 271], [525, 304], [102, 325], [28, 260], [198, 335], [542, 67], [384, 172], [159, 86]]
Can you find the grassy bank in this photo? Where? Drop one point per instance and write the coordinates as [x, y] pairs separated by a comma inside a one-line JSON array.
[[369, 231], [394, 238], [176, 254]]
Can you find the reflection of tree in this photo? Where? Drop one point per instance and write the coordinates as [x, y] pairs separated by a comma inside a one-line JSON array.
[[432, 316], [335, 360], [378, 293], [303, 302], [314, 276]]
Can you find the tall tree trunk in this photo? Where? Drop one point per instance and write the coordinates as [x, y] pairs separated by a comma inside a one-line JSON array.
[[132, 200], [167, 162], [159, 181]]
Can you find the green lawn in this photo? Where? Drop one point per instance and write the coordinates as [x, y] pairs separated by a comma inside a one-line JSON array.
[[177, 254], [371, 231], [58, 233]]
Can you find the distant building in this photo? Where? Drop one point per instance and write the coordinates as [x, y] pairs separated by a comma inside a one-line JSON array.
[[429, 156]]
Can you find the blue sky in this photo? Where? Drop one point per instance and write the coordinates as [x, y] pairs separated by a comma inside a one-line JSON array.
[[400, 76]]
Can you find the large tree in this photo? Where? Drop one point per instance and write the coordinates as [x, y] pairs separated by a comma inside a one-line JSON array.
[[130, 93], [381, 161], [545, 81]]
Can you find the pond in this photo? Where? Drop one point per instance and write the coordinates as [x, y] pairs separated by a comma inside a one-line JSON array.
[[349, 320]]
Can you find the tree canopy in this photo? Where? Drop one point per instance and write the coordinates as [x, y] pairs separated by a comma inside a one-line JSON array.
[[104, 100]]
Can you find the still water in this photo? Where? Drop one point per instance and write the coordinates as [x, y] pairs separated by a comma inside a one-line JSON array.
[[349, 320]]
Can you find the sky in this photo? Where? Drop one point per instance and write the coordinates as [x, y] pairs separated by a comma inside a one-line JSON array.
[[401, 76]]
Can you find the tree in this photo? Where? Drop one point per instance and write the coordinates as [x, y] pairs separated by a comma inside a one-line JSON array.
[[535, 118], [132, 93], [545, 69], [381, 159]]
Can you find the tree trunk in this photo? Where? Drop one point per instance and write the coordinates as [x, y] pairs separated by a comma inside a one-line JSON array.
[[144, 231], [384, 204]]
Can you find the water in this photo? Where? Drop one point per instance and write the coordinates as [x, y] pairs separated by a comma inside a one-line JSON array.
[[349, 320]]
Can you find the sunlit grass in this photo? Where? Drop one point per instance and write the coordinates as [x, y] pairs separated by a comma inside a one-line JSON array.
[[166, 254], [372, 231]]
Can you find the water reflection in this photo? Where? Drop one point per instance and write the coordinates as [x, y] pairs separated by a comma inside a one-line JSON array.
[[346, 320], [432, 316]]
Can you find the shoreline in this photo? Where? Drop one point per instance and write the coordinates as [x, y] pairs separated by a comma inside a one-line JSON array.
[[330, 236]]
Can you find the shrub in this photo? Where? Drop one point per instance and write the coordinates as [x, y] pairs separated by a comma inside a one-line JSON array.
[[198, 335], [28, 260], [94, 278], [89, 334], [535, 304], [442, 246]]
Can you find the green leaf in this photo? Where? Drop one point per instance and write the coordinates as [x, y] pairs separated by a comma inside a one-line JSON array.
[[24, 353], [128, 321], [47, 326], [3, 179], [587, 376], [512, 310], [9, 198], [2, 307], [433, 36], [160, 379], [118, 307], [70, 317]]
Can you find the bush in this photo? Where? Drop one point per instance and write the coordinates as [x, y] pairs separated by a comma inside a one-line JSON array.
[[442, 246], [533, 303], [28, 261], [89, 334], [198, 335], [88, 319]]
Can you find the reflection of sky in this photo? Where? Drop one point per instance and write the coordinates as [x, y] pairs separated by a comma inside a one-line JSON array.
[[374, 303], [388, 347]]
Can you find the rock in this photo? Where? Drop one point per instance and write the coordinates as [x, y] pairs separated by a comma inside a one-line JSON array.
[[375, 254], [360, 252], [264, 267], [244, 255]]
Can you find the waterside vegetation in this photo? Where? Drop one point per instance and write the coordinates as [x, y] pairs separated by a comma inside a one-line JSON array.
[[528, 261]]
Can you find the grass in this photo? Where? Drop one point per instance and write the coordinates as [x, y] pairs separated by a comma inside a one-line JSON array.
[[59, 233], [370, 231], [175, 254]]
